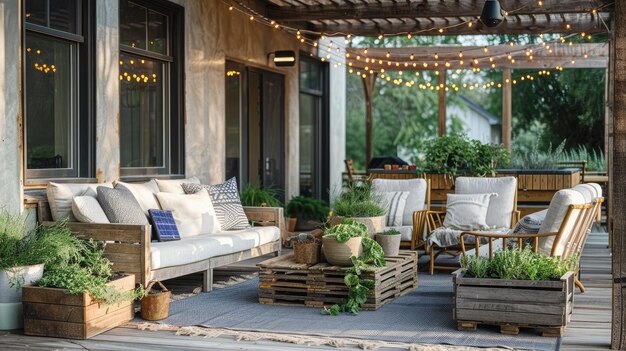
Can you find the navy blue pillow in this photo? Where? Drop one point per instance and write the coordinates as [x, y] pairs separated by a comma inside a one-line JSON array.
[[163, 225]]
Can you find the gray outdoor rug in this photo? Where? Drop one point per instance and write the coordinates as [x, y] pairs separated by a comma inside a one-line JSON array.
[[422, 317]]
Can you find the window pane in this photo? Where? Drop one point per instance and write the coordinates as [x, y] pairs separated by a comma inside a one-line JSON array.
[[310, 75], [141, 112], [308, 112], [49, 74], [157, 32], [233, 113], [133, 25], [36, 12], [63, 15]]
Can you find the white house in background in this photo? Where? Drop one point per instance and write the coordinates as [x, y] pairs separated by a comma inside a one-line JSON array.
[[478, 123]]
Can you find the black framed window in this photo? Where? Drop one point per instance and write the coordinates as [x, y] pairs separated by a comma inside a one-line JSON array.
[[151, 72], [58, 89]]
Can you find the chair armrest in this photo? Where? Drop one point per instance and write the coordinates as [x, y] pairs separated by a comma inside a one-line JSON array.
[[517, 214], [420, 219], [267, 216], [434, 220], [504, 237]]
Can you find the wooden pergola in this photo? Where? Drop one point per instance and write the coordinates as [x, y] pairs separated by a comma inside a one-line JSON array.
[[346, 18]]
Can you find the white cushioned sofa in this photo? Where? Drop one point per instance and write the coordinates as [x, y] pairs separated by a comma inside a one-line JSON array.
[[132, 249]]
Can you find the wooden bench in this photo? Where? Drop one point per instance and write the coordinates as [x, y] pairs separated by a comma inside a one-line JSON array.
[[128, 246]]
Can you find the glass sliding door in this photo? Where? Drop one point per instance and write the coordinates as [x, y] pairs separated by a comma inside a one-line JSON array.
[[314, 152]]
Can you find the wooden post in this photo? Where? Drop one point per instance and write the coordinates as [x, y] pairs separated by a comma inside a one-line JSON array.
[[617, 173], [442, 102], [369, 84], [507, 108]]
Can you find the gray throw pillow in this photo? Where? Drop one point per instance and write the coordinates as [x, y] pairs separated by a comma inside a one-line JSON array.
[[226, 202], [120, 206]]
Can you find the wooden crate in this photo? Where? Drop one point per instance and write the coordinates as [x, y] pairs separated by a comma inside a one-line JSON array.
[[284, 282], [511, 304], [52, 312]]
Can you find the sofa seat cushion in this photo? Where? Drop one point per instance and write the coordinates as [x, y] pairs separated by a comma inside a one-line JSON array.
[[202, 247]]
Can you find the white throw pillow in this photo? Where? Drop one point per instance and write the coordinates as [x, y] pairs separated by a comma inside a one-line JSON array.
[[193, 214], [144, 193], [60, 197], [175, 185], [557, 210], [394, 202], [416, 200], [467, 211], [501, 208], [87, 209]]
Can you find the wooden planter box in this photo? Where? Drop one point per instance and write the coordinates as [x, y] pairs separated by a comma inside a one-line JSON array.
[[511, 304], [52, 312], [439, 181]]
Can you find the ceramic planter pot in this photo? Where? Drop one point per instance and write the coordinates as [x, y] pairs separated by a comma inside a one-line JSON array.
[[11, 298], [291, 224], [339, 254], [389, 243], [374, 224]]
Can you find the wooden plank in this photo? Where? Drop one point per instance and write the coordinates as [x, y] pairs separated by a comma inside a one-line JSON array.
[[514, 295], [532, 319], [507, 107], [442, 103], [471, 304], [71, 314], [118, 248]]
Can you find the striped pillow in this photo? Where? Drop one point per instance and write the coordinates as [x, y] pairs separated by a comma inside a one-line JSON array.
[[394, 203]]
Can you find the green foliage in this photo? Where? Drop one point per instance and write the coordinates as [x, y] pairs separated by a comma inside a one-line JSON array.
[[254, 195], [44, 244], [307, 208], [517, 265], [537, 159], [373, 255], [390, 232], [358, 200], [595, 158], [458, 155], [89, 271]]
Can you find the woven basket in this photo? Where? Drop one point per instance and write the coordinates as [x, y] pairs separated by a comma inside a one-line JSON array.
[[155, 306], [308, 253]]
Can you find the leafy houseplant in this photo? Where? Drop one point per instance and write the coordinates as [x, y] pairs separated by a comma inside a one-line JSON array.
[[254, 195], [371, 254], [518, 265], [24, 254], [389, 240], [360, 203], [310, 213]]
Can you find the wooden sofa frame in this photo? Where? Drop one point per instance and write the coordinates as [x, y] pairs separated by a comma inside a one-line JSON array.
[[128, 246]]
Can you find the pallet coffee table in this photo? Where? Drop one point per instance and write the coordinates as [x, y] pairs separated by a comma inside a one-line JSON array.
[[282, 281]]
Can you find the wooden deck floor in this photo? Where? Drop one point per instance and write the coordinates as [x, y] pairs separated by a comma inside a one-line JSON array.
[[590, 328]]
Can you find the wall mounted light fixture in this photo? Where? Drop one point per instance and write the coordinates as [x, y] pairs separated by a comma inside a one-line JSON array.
[[284, 58]]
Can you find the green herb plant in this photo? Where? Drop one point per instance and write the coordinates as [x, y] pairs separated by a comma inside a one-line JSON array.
[[90, 272], [49, 245], [390, 232], [537, 159], [358, 200], [254, 195], [373, 256], [518, 265]]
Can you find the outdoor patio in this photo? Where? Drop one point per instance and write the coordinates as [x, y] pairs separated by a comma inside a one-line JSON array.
[[313, 175]]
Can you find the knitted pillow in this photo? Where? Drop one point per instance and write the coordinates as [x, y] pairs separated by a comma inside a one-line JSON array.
[[120, 206]]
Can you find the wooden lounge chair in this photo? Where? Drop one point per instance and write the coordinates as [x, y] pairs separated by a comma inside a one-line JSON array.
[[353, 175]]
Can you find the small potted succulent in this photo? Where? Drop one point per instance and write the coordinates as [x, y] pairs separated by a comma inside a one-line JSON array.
[[306, 248], [389, 240]]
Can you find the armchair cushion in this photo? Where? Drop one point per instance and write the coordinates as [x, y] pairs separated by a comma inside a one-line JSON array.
[[416, 199], [500, 211], [395, 202], [467, 211], [589, 191], [555, 215]]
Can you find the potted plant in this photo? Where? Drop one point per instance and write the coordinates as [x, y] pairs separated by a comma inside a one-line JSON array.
[[155, 303], [361, 204], [79, 297], [515, 288], [306, 212], [389, 240], [306, 248], [24, 254], [254, 195], [348, 244]]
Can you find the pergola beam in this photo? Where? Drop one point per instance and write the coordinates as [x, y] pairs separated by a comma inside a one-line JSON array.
[[423, 9], [578, 23]]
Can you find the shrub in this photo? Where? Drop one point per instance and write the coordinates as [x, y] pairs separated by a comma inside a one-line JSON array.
[[307, 208], [254, 195]]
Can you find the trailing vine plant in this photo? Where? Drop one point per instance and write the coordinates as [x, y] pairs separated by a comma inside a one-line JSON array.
[[372, 256]]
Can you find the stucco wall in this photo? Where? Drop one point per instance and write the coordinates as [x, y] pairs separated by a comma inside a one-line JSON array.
[[214, 34], [10, 118]]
